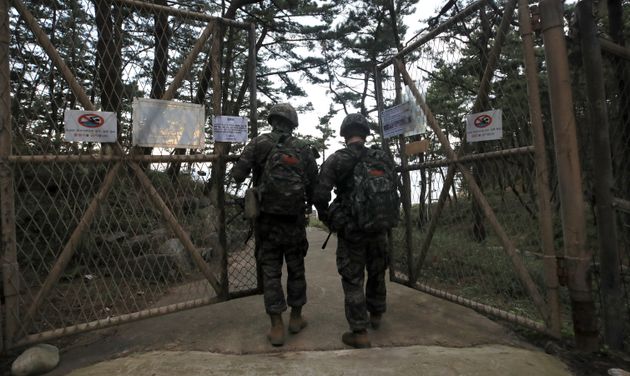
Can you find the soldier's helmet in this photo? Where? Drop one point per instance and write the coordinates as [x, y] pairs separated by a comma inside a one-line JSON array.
[[284, 110], [354, 125]]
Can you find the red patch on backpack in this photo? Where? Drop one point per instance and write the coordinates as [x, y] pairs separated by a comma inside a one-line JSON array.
[[290, 160], [376, 172]]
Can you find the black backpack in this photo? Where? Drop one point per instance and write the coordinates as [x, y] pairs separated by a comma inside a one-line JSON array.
[[374, 201], [282, 182]]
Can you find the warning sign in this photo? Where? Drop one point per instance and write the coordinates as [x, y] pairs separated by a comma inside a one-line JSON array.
[[92, 126], [229, 128], [484, 126]]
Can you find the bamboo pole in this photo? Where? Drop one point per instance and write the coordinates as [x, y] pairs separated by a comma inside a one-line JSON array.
[[545, 217], [113, 321], [610, 276], [253, 84], [508, 246], [188, 62], [175, 227], [71, 246], [614, 49], [474, 158], [182, 13], [9, 264], [101, 158], [621, 204], [578, 258]]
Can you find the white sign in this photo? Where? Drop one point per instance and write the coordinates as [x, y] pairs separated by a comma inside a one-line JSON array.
[[168, 124], [229, 128], [484, 126], [92, 126], [419, 123], [397, 120]]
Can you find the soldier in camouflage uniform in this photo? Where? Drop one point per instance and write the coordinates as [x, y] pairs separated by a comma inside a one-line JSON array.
[[280, 235], [357, 251]]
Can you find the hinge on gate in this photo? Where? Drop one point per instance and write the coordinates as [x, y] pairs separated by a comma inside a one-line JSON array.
[[534, 16], [561, 270]]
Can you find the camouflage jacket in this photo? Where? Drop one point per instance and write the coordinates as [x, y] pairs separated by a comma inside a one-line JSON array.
[[336, 172], [255, 155]]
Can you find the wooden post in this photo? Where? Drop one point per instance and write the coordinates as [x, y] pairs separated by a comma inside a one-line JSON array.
[[609, 274], [545, 217], [253, 84], [9, 262], [569, 176], [221, 149]]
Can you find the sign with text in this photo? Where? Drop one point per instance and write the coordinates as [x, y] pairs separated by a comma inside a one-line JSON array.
[[91, 126], [229, 128], [168, 124], [419, 123], [484, 126], [397, 120]]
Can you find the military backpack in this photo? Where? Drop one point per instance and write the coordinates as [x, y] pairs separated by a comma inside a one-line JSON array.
[[374, 202], [282, 184]]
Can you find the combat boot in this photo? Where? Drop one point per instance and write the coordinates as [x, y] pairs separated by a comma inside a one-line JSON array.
[[375, 320], [296, 322], [276, 333], [357, 339]]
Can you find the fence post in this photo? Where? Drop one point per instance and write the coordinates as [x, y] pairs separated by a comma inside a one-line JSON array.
[[545, 216], [7, 204], [609, 274], [218, 168], [578, 258]]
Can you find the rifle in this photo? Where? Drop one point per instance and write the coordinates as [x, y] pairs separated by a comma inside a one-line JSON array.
[[326, 241]]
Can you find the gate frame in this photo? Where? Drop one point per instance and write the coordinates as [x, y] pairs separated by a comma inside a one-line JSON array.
[[550, 309], [10, 268]]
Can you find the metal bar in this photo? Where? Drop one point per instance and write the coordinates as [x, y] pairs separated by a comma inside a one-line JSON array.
[[578, 257], [218, 169], [57, 60], [187, 14], [187, 64], [113, 321], [98, 158], [474, 157], [70, 247], [8, 240], [175, 227], [545, 217], [483, 308], [610, 275], [435, 32], [508, 246], [614, 49]]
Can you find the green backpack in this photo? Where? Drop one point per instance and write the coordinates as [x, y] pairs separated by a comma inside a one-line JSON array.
[[374, 201], [282, 184]]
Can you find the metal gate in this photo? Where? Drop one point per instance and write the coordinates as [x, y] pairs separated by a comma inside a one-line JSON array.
[[478, 227], [95, 235]]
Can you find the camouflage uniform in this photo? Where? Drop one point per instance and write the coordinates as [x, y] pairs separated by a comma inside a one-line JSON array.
[[279, 236], [356, 250]]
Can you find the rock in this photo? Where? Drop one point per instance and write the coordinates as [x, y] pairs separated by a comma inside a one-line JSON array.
[[153, 268], [618, 372], [36, 360], [175, 249]]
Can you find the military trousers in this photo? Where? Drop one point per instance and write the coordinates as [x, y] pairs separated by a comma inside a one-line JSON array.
[[358, 252], [280, 239]]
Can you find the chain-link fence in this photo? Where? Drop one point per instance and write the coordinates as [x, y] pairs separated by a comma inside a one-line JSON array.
[[99, 234], [473, 228]]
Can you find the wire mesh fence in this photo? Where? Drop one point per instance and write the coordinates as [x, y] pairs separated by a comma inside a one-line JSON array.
[[107, 233], [472, 234]]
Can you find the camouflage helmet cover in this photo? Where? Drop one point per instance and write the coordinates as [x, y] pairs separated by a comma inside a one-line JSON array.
[[354, 125], [284, 110]]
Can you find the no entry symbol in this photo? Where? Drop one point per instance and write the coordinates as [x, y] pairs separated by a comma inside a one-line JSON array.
[[483, 121]]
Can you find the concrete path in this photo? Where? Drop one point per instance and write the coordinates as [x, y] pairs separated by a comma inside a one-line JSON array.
[[419, 335]]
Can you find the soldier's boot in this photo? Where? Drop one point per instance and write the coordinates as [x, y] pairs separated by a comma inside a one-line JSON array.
[[358, 339], [276, 333], [296, 322], [375, 320]]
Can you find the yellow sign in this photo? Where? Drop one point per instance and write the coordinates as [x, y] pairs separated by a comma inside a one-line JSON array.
[[417, 147]]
